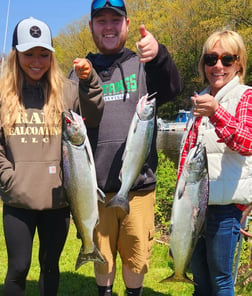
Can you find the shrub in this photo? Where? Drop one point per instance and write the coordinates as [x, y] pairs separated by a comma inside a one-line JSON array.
[[166, 183]]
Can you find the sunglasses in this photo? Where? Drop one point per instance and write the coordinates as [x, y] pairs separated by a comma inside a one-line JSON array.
[[227, 60], [101, 3]]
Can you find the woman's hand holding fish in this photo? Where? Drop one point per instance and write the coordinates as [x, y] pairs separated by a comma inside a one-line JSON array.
[[204, 105], [147, 46], [82, 68]]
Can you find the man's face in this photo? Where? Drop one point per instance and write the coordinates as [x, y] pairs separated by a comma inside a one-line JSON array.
[[109, 30]]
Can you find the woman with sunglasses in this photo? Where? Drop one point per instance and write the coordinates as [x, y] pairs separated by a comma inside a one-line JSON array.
[[33, 95], [223, 123]]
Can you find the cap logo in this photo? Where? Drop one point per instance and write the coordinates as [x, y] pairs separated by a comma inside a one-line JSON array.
[[35, 32]]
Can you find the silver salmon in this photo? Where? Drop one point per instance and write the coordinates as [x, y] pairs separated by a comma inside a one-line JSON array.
[[81, 185], [188, 211], [136, 151]]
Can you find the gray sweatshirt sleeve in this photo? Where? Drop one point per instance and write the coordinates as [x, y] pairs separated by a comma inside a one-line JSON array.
[[91, 98]]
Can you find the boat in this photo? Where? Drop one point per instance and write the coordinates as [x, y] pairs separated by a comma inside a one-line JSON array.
[[162, 124], [178, 125]]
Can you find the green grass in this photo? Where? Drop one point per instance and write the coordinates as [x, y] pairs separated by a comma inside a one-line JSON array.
[[82, 281]]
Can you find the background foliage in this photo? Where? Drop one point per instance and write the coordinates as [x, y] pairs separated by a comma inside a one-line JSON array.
[[181, 25], [166, 183]]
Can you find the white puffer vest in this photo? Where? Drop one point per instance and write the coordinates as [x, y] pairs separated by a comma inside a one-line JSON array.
[[230, 174]]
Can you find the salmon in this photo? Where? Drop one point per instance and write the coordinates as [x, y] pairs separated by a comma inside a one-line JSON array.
[[188, 211], [136, 151], [79, 179]]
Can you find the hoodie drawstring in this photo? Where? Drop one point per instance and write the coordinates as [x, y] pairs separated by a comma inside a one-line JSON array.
[[124, 83]]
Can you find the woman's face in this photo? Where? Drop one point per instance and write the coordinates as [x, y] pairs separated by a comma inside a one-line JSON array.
[[219, 75], [35, 62]]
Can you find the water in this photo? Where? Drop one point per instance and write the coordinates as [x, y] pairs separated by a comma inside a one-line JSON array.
[[169, 142]]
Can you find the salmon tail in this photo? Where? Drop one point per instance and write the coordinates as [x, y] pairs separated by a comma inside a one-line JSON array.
[[84, 258], [175, 278], [119, 201]]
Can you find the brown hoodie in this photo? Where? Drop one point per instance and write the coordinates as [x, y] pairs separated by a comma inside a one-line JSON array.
[[30, 159]]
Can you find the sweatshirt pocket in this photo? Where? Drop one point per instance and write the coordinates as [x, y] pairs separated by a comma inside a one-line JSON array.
[[37, 185]]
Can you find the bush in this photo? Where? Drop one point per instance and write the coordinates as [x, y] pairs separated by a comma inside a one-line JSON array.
[[166, 183]]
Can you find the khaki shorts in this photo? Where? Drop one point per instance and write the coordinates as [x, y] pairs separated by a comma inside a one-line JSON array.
[[130, 235]]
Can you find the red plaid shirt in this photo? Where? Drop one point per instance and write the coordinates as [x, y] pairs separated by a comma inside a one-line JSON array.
[[234, 131]]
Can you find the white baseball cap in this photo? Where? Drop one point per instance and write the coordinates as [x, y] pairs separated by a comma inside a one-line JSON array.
[[30, 33]]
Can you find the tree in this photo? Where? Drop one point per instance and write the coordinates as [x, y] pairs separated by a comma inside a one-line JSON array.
[[181, 25], [74, 41]]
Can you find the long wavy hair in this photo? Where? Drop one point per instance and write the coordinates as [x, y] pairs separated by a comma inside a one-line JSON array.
[[11, 94], [233, 43]]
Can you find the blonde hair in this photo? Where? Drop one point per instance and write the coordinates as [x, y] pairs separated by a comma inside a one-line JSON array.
[[11, 98], [234, 44]]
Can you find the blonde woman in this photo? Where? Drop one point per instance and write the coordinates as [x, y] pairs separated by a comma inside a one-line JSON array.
[[223, 124], [33, 95]]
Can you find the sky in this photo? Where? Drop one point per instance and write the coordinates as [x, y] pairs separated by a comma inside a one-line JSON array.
[[56, 13]]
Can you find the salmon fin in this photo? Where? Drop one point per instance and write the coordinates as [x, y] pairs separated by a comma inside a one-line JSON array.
[[83, 258], [181, 188], [170, 253], [120, 176], [175, 278], [90, 157], [124, 155], [136, 125], [119, 201], [101, 195]]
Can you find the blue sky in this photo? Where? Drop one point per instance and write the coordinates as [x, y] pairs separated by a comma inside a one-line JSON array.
[[56, 13]]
